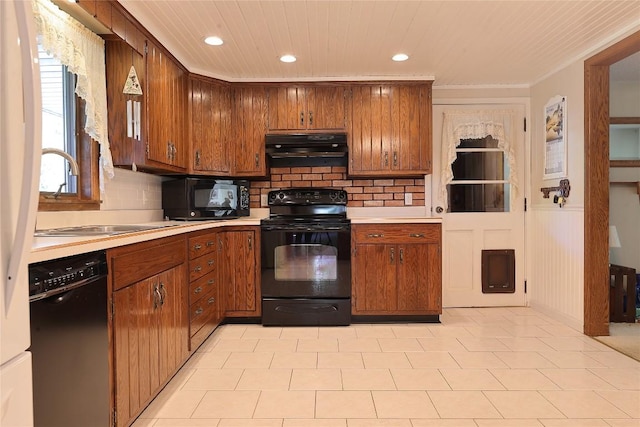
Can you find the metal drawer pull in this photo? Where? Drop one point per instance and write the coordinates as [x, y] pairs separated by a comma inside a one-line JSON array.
[[197, 269], [401, 256], [210, 262], [197, 290], [375, 235], [392, 255], [197, 247], [211, 300], [199, 311], [418, 235], [210, 243], [210, 282]]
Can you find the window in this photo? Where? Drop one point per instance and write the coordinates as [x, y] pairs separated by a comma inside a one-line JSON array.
[[480, 177], [58, 124], [62, 118]]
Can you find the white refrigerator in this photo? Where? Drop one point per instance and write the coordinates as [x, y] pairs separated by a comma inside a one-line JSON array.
[[20, 148]]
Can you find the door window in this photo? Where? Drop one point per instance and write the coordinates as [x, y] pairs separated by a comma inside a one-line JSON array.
[[480, 177]]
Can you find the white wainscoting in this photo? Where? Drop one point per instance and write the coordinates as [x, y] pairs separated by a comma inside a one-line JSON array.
[[556, 262]]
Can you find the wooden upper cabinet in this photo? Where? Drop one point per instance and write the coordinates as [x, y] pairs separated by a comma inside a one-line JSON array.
[[166, 94], [307, 107], [390, 130], [249, 122], [210, 107]]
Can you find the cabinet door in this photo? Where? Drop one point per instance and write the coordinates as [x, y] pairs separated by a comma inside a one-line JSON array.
[[411, 129], [210, 127], [418, 278], [172, 320], [373, 279], [119, 57], [157, 135], [326, 107], [370, 130], [135, 345], [166, 103], [390, 130], [250, 125], [239, 265], [287, 108], [177, 109]]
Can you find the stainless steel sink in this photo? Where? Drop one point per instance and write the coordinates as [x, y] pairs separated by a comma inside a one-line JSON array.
[[95, 230]]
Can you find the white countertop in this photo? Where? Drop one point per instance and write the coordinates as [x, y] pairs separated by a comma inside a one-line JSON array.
[[47, 248]]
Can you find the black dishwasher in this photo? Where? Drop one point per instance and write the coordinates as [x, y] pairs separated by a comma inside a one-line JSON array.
[[69, 341]]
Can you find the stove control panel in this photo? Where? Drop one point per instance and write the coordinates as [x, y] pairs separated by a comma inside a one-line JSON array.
[[307, 196]]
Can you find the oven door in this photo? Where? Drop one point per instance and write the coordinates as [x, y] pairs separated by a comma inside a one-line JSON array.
[[304, 261]]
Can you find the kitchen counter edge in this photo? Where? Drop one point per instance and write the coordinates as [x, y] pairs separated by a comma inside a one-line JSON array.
[[48, 248]]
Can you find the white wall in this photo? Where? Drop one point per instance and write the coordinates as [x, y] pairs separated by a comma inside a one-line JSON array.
[[556, 235]]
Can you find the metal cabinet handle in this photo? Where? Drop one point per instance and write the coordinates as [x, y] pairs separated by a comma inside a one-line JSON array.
[[198, 158], [401, 256], [163, 293], [197, 247], [199, 311], [417, 235], [250, 243], [197, 290], [210, 262], [211, 281], [392, 255], [257, 160], [156, 296], [386, 158], [210, 243], [374, 235], [395, 158], [197, 269], [310, 118], [301, 118], [211, 300]]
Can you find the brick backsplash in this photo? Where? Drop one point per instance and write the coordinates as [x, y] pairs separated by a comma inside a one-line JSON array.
[[361, 192]]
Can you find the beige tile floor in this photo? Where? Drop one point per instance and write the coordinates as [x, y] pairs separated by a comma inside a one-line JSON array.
[[511, 367]]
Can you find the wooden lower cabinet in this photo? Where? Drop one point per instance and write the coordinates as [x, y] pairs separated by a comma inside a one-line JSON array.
[[239, 256], [205, 308], [396, 269], [149, 322]]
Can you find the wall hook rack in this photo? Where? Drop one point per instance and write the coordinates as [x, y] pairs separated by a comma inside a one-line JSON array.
[[564, 188]]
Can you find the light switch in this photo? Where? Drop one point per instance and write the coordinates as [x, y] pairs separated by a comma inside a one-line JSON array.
[[263, 200], [408, 199]]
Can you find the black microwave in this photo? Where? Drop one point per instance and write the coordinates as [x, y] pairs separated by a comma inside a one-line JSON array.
[[205, 198]]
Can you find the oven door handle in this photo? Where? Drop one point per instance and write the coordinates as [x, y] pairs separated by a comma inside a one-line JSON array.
[[303, 228], [316, 308]]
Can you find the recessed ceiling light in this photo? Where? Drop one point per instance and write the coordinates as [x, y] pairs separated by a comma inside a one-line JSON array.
[[399, 57], [288, 58], [213, 41]]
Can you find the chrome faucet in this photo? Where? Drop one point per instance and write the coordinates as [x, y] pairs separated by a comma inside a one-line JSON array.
[[72, 165]]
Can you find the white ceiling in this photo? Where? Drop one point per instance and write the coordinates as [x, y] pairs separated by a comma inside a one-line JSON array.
[[454, 42]]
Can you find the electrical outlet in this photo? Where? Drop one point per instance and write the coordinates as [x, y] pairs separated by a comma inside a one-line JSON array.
[[408, 199], [263, 200]]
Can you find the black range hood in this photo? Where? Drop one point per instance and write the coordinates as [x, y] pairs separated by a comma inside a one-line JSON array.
[[307, 149]]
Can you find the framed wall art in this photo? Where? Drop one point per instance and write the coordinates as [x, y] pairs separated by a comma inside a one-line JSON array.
[[555, 138]]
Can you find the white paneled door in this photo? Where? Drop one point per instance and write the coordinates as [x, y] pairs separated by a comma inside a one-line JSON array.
[[472, 220]]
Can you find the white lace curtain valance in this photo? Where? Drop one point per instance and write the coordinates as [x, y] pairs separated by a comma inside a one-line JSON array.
[[82, 52], [467, 124]]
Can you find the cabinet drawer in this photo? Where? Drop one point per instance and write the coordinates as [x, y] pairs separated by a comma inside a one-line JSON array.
[[202, 310], [200, 245], [130, 264], [201, 287], [397, 233], [202, 265]]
